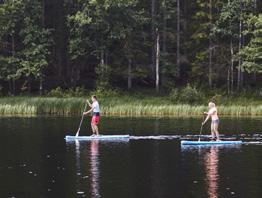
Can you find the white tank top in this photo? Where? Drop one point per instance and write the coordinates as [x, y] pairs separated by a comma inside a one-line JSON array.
[[95, 105]]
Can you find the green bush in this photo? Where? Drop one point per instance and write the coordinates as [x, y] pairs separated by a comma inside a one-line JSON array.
[[1, 90], [105, 92], [174, 95], [60, 93], [57, 92], [217, 99], [190, 95], [76, 92]]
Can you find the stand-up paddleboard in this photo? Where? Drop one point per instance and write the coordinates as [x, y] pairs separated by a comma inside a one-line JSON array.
[[98, 137], [188, 142]]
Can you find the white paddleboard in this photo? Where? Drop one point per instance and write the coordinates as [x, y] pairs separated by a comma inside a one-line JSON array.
[[98, 137]]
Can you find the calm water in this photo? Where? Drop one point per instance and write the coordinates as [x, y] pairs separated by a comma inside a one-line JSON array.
[[37, 162]]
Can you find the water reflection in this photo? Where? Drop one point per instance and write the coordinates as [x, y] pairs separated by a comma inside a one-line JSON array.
[[93, 162], [94, 168], [211, 162], [209, 156]]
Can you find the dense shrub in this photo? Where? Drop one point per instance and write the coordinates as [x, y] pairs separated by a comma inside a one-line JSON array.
[[217, 98], [174, 95], [105, 92], [60, 93], [57, 92], [188, 94]]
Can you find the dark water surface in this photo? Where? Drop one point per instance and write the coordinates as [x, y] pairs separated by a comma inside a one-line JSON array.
[[37, 162]]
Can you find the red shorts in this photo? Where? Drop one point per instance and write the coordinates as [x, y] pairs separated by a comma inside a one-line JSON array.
[[95, 119]]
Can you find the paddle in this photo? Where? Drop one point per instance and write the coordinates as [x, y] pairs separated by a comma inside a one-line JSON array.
[[77, 133], [201, 128]]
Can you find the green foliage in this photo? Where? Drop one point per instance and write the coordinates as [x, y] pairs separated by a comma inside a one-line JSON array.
[[28, 42], [57, 92], [72, 92], [101, 92], [217, 99], [34, 57], [73, 43], [190, 95], [252, 53], [103, 73], [174, 95]]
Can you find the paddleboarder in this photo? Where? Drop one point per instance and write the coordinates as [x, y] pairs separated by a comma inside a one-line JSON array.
[[214, 120], [96, 114]]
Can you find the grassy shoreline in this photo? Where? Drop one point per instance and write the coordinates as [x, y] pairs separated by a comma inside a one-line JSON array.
[[117, 106]]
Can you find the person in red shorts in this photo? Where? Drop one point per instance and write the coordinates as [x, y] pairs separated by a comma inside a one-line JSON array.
[[96, 114]]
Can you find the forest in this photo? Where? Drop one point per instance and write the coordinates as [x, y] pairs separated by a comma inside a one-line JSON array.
[[130, 44]]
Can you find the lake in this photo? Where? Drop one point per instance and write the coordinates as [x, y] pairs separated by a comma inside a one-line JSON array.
[[36, 161]]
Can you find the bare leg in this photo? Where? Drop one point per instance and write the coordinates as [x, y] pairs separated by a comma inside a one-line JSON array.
[[93, 129], [216, 131], [96, 129], [212, 131]]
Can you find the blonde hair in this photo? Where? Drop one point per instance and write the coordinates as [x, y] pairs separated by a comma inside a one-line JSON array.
[[211, 104]]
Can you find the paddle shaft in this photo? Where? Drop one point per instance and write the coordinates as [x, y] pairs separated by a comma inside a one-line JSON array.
[[200, 133], [81, 121]]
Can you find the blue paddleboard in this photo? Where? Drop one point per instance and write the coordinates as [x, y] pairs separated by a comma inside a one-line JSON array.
[[187, 142]]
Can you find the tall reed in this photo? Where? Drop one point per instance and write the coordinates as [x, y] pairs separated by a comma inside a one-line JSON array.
[[116, 106]]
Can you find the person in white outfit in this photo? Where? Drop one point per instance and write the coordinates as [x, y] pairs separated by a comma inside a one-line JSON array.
[[96, 114], [213, 113]]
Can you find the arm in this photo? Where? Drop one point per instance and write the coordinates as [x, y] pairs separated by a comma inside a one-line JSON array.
[[89, 111], [208, 116]]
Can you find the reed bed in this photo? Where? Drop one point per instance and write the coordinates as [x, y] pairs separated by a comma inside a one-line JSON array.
[[116, 107]]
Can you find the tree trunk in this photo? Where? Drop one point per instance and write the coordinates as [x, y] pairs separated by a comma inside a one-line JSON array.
[[43, 26], [210, 48], [255, 77], [61, 41], [10, 87], [164, 40], [43, 13], [102, 62], [106, 57], [129, 79], [153, 25], [232, 65], [210, 65], [102, 58], [164, 27], [239, 60], [178, 40], [29, 84], [157, 60], [228, 80], [255, 6], [41, 86], [13, 54], [14, 86]]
